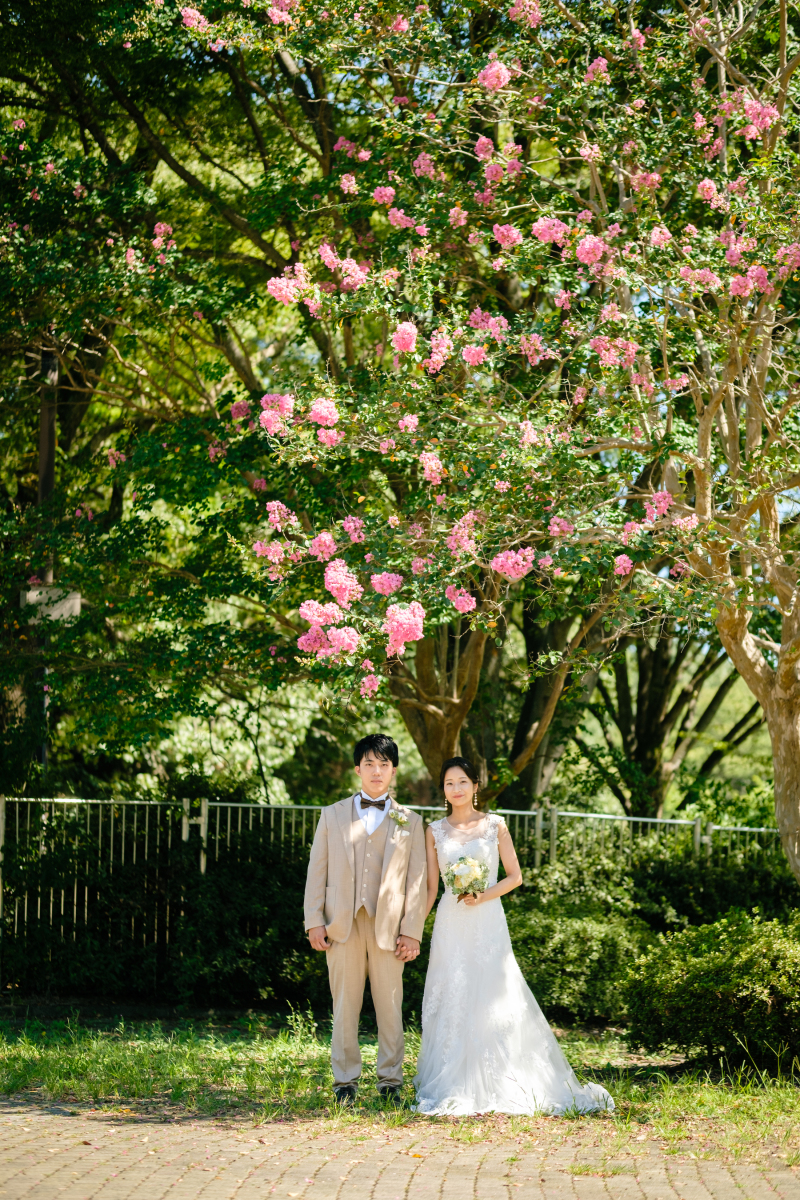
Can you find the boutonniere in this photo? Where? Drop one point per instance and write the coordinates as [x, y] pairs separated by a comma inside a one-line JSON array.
[[399, 818]]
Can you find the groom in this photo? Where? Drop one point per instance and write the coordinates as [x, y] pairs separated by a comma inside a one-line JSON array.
[[365, 906]]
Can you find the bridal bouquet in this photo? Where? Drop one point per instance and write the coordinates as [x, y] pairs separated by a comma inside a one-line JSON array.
[[467, 876]]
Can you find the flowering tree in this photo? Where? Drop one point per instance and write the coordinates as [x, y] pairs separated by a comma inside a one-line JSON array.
[[534, 264]]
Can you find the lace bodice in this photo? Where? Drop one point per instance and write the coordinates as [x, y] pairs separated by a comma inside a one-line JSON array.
[[480, 842]]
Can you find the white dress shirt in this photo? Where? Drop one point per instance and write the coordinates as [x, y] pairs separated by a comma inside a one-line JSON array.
[[371, 817]]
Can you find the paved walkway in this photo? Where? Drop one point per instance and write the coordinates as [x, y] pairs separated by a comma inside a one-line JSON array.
[[45, 1153]]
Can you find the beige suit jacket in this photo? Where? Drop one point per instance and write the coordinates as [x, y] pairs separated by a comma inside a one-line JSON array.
[[330, 884]]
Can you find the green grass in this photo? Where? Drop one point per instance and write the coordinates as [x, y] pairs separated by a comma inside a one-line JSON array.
[[253, 1071]]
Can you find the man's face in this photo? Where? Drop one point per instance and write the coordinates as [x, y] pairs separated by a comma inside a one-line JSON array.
[[376, 775]]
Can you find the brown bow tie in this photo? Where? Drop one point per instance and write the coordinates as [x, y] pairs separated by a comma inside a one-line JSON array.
[[367, 803]]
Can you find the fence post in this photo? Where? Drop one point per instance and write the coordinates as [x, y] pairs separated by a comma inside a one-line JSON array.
[[203, 833], [539, 821], [185, 825], [709, 840], [698, 830], [553, 832]]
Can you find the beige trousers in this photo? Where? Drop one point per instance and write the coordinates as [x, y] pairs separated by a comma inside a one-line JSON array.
[[349, 964]]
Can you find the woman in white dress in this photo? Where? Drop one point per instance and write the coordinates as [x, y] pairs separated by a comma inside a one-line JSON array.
[[486, 1046]]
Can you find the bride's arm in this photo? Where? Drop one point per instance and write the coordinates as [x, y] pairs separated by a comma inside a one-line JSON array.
[[508, 857], [433, 869]]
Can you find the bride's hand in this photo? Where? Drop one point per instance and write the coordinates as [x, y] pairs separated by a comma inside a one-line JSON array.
[[471, 898]]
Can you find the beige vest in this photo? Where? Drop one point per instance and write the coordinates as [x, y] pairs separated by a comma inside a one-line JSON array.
[[369, 851]]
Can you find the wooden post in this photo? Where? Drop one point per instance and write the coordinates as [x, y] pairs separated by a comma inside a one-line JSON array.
[[553, 832], [709, 840], [698, 833], [203, 833]]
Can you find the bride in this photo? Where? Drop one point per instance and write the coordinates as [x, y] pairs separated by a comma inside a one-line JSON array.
[[486, 1046]]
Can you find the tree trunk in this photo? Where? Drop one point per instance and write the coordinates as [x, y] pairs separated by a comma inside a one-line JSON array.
[[783, 722]]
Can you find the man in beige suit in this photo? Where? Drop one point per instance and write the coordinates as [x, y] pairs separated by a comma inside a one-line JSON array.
[[365, 907]]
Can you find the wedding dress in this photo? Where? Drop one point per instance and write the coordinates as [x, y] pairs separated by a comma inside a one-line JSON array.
[[486, 1045]]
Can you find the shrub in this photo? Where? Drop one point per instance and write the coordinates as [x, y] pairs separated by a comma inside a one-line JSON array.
[[730, 987]]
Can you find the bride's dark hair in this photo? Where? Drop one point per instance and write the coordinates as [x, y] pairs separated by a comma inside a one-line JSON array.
[[470, 772]]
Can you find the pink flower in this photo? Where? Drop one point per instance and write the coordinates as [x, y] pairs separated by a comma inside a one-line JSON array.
[[416, 531], [323, 412], [484, 148], [369, 686], [342, 583], [329, 256], [461, 598], [514, 564], [474, 355], [322, 547], [591, 153], [740, 285], [631, 529], [550, 229], [623, 565], [457, 216], [495, 76], [597, 69], [657, 506], [460, 539], [259, 485], [18, 123], [441, 349], [217, 450], [320, 614], [115, 457], [279, 515], [330, 437], [707, 189], [282, 289], [386, 583], [367, 665], [240, 410], [408, 424], [493, 172], [399, 25], [387, 445], [533, 348], [130, 253], [563, 299], [419, 566], [349, 185], [660, 236], [404, 339], [343, 641], [192, 19], [354, 526], [759, 278], [590, 249], [614, 351], [645, 181], [545, 561], [507, 235], [526, 11], [398, 218], [685, 524], [314, 641], [423, 165], [502, 485], [278, 16], [559, 527], [403, 624], [610, 312], [432, 467], [384, 195]]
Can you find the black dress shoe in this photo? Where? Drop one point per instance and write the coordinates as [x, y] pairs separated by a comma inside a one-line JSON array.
[[345, 1094], [390, 1091]]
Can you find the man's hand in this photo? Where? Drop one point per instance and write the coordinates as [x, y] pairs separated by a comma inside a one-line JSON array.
[[407, 948], [318, 938]]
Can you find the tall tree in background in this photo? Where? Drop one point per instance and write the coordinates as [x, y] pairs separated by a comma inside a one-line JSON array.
[[511, 282]]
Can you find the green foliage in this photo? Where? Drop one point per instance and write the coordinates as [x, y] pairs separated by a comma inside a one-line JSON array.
[[731, 987]]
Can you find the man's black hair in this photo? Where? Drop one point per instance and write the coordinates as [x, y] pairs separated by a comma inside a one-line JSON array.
[[381, 745]]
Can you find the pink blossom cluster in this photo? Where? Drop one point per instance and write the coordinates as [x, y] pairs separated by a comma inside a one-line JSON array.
[[348, 184], [534, 349], [484, 148], [240, 410], [526, 12], [550, 229], [614, 351], [598, 69], [423, 165], [193, 19], [460, 598], [330, 437], [399, 25], [419, 565], [707, 190], [645, 181], [507, 236], [703, 276], [623, 565], [441, 349], [408, 424], [495, 76], [756, 279], [514, 564], [461, 538], [564, 299], [403, 623], [369, 686], [759, 118], [327, 644], [631, 529], [384, 195], [590, 152], [354, 526], [398, 218], [590, 249], [660, 236], [323, 412], [560, 527], [387, 444], [276, 409], [355, 274], [386, 583], [217, 450], [657, 506], [329, 256], [115, 457], [496, 326], [529, 435], [322, 547], [679, 568], [342, 583], [320, 614], [404, 338], [458, 216], [279, 515], [474, 355], [685, 524], [432, 467]]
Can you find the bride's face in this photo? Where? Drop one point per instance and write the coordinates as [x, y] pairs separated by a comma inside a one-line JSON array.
[[458, 787]]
